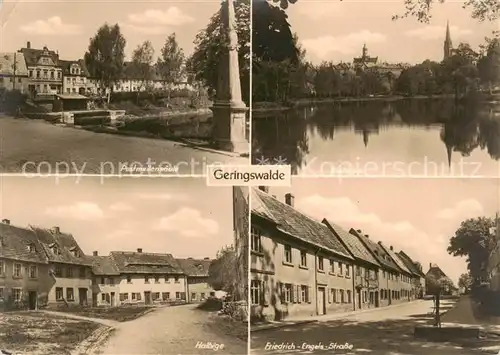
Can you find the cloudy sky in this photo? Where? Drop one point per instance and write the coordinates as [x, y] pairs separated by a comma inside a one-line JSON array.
[[67, 25], [168, 215], [415, 215], [334, 30]]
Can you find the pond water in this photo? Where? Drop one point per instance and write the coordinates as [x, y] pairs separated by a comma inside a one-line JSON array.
[[400, 138]]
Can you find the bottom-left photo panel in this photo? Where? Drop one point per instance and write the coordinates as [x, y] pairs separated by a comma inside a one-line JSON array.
[[92, 265]]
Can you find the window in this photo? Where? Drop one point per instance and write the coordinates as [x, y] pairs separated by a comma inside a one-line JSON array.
[[103, 297], [33, 272], [177, 295], [342, 296], [193, 296], [304, 291], [332, 266], [69, 294], [341, 269], [347, 272], [123, 297], [165, 296], [17, 270], [255, 292], [303, 258], [203, 295], [155, 296], [129, 280], [111, 281], [334, 295], [287, 295], [38, 74], [103, 281], [176, 279], [31, 73], [31, 248], [288, 254], [320, 263], [70, 272], [167, 279], [349, 299], [157, 280], [358, 271], [1, 293], [2, 267], [82, 272], [59, 293], [255, 241], [16, 294], [146, 279], [58, 75]]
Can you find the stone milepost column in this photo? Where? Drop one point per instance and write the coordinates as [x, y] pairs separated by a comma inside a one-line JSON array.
[[229, 110]]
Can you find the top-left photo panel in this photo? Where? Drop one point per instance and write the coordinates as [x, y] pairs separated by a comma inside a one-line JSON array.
[[154, 88]]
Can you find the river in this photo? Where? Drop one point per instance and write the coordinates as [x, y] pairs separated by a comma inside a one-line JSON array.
[[403, 138]]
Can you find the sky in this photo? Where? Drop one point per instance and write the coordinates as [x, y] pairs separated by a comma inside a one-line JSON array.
[[417, 216], [336, 31], [164, 215], [67, 25]]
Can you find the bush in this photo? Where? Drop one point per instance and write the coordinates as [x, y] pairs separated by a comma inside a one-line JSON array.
[[150, 95], [11, 100]]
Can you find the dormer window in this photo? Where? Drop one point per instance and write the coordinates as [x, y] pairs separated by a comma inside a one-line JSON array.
[[31, 248], [55, 249], [75, 252]]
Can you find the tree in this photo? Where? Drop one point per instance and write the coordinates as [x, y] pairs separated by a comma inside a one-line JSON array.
[[475, 240], [170, 64], [105, 56], [223, 272], [435, 285], [204, 62], [465, 282], [142, 63], [489, 64]]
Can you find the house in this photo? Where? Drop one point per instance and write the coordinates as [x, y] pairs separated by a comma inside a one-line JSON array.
[[24, 269], [13, 72], [76, 78], [240, 229], [366, 268], [418, 274], [436, 273], [389, 276], [196, 272], [44, 71], [406, 276], [298, 267], [70, 270], [138, 278]]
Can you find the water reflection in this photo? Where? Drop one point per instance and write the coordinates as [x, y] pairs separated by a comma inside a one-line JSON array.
[[437, 134]]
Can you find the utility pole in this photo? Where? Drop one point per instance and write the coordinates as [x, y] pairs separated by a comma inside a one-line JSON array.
[[15, 68]]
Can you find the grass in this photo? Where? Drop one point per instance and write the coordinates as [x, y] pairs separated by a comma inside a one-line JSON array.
[[225, 325], [38, 333], [119, 314]]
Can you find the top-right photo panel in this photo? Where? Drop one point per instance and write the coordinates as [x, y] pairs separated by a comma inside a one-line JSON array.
[[377, 88]]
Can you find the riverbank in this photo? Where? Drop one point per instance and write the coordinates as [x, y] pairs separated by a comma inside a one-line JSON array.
[[267, 107]]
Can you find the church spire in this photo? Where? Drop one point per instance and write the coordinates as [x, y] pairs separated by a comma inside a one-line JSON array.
[[448, 45]]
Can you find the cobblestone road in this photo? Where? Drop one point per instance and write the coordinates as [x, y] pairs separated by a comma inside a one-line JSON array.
[[381, 332], [171, 330], [35, 144]]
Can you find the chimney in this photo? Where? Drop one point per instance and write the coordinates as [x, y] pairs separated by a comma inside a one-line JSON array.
[[289, 199], [391, 247], [28, 45], [264, 188], [56, 230], [358, 230], [190, 258], [206, 258], [139, 250], [430, 265], [95, 253], [6, 221], [367, 236]]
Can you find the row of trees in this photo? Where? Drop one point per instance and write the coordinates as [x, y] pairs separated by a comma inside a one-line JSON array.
[[281, 73]]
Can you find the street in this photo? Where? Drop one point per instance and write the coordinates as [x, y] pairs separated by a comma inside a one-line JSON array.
[[172, 330], [35, 146], [382, 331]]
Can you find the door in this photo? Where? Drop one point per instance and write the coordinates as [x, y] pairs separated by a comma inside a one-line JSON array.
[[359, 299], [82, 296], [32, 296], [112, 299], [377, 299], [147, 297], [321, 301]]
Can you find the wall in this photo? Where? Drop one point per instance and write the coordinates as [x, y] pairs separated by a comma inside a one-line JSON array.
[[102, 289], [198, 286], [366, 291], [75, 282], [46, 84], [21, 84], [137, 285], [42, 284]]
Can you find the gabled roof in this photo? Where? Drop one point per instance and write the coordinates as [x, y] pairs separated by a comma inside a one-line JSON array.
[[66, 66], [104, 265], [296, 224], [352, 243], [410, 264], [7, 66], [401, 265], [65, 243], [377, 251], [435, 270], [195, 267], [145, 263], [15, 243], [33, 55]]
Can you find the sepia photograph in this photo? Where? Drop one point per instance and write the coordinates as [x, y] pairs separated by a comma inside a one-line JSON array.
[[377, 266], [124, 266], [368, 88], [120, 88]]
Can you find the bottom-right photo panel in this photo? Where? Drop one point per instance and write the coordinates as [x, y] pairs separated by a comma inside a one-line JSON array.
[[375, 266]]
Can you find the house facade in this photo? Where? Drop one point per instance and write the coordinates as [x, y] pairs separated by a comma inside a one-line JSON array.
[[366, 269], [13, 72], [297, 266], [196, 271], [76, 78], [70, 269], [407, 278], [436, 273], [44, 71], [418, 275]]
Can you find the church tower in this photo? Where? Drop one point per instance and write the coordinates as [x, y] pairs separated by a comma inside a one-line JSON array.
[[448, 46]]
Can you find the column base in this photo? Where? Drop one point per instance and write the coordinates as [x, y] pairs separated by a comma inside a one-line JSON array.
[[229, 128]]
